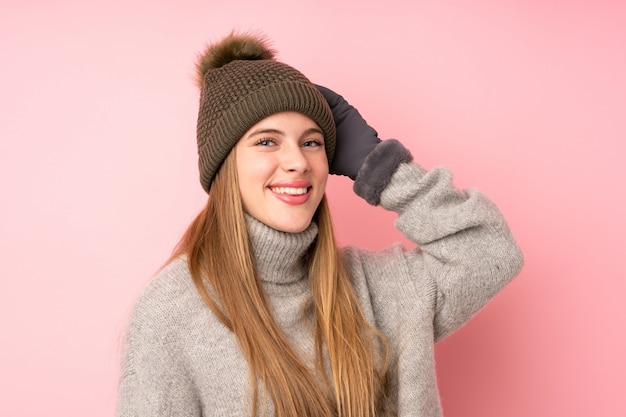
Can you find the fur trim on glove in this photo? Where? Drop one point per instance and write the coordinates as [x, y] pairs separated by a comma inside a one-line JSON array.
[[378, 168]]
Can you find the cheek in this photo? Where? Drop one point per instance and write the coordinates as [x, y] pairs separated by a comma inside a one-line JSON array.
[[251, 167], [254, 172], [321, 166], [257, 170]]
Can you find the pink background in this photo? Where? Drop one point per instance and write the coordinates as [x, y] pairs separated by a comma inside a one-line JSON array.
[[98, 177]]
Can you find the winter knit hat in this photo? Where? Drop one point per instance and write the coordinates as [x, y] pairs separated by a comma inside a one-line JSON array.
[[240, 84]]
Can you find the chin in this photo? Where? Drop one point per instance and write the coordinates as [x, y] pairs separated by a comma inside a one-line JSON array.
[[291, 228]]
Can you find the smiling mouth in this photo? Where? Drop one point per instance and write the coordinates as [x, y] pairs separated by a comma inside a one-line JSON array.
[[290, 190]]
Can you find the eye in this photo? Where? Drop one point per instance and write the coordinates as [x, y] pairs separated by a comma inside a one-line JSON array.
[[313, 143], [266, 142]]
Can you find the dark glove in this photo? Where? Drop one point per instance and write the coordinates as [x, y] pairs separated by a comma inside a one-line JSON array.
[[355, 138]]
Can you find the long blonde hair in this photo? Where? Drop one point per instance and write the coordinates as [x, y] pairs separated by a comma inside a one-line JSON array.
[[223, 269]]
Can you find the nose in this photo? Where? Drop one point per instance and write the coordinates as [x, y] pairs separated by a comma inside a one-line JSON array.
[[293, 159]]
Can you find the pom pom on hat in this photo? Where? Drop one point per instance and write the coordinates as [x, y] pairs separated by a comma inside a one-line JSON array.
[[232, 48], [240, 84]]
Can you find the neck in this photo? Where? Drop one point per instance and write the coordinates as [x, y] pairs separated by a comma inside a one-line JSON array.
[[280, 256]]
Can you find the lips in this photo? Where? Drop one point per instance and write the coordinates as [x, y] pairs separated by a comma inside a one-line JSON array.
[[293, 192]]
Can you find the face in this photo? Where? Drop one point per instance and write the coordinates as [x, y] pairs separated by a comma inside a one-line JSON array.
[[282, 169]]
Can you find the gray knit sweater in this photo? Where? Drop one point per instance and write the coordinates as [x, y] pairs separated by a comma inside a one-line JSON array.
[[179, 360]]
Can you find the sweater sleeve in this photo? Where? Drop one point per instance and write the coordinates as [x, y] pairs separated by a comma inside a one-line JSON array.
[[465, 252], [152, 380]]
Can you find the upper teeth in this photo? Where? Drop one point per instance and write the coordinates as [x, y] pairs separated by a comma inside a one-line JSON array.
[[289, 190]]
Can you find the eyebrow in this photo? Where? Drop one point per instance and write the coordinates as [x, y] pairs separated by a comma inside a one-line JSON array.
[[280, 132], [265, 131]]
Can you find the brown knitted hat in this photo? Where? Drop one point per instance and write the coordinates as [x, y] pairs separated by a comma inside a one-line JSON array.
[[240, 84]]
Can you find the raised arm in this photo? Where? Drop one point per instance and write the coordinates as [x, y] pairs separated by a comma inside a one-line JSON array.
[[466, 253]]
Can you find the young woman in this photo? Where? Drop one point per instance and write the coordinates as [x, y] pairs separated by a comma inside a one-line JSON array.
[[258, 312]]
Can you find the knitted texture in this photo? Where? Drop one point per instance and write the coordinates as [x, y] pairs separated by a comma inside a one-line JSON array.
[[180, 360], [239, 94]]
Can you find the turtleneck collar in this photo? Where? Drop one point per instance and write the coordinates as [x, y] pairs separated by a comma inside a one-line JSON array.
[[279, 255]]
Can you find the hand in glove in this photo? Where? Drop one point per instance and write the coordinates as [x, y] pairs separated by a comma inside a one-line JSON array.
[[355, 138], [356, 142]]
